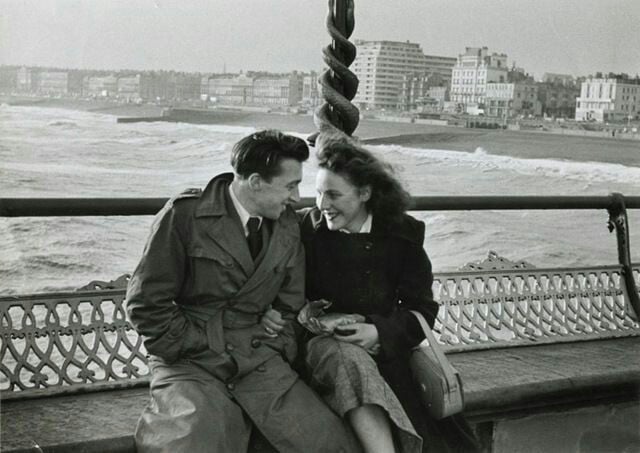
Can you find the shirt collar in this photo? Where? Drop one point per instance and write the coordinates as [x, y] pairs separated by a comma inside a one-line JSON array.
[[366, 226], [242, 212]]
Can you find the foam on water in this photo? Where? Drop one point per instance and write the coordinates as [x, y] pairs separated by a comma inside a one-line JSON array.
[[49, 152], [550, 168]]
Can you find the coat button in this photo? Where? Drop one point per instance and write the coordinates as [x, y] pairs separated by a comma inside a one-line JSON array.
[[367, 272], [368, 246], [228, 347], [231, 386], [261, 368], [256, 343]]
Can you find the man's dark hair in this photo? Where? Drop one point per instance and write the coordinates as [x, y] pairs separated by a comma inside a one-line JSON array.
[[262, 152], [344, 156]]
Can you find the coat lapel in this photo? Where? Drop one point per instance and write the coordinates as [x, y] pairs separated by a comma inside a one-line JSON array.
[[228, 235], [217, 217], [284, 233]]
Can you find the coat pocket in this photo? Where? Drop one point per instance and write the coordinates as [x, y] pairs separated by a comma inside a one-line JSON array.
[[212, 273]]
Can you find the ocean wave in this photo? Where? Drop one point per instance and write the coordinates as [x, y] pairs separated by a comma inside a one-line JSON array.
[[76, 169], [61, 262], [63, 123], [483, 160]]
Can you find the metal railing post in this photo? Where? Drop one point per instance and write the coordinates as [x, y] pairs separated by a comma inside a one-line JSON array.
[[619, 222]]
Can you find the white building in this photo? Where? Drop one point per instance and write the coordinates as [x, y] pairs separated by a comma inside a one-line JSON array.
[[231, 89], [101, 86], [276, 90], [310, 90], [608, 99], [473, 70], [53, 82], [381, 65]]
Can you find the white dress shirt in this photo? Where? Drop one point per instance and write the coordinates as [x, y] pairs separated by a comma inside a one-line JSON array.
[[242, 212]]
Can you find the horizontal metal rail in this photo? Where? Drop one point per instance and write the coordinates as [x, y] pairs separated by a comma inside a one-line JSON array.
[[63, 207]]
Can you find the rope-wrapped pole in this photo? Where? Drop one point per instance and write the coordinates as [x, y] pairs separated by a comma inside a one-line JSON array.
[[338, 85]]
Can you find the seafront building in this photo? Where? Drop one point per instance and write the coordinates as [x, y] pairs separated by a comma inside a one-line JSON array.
[[473, 70], [609, 99], [310, 90], [249, 90], [558, 79], [558, 98], [26, 80], [506, 100], [424, 93], [100, 86], [381, 66], [53, 82], [230, 89], [277, 91]]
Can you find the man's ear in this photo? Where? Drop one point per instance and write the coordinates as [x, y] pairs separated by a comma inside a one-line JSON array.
[[255, 181], [365, 193]]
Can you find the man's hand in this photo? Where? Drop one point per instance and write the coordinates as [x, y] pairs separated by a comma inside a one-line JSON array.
[[272, 322], [364, 335]]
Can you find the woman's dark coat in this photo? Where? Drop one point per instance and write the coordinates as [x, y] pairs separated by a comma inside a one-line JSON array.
[[382, 275]]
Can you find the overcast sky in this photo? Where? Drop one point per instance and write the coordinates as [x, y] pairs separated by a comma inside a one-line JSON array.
[[577, 37]]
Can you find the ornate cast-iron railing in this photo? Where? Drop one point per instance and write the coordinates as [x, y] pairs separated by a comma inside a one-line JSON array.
[[80, 341]]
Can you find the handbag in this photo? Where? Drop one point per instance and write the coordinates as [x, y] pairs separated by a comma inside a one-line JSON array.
[[440, 384]]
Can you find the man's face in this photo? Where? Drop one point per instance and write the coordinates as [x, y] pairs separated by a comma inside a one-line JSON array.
[[272, 197]]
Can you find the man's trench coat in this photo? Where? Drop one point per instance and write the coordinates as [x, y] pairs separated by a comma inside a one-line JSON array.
[[196, 295]]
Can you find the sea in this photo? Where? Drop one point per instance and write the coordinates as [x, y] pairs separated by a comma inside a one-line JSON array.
[[46, 152]]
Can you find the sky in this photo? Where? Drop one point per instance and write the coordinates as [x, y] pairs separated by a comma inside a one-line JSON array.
[[578, 37]]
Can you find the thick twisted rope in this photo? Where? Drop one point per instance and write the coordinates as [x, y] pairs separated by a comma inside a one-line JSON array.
[[338, 84]]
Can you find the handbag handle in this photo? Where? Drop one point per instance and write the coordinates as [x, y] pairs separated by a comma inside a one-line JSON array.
[[449, 371]]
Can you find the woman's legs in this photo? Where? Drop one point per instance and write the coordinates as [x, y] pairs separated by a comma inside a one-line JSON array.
[[371, 424]]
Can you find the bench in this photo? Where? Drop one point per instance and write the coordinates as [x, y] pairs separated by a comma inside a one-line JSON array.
[[73, 372]]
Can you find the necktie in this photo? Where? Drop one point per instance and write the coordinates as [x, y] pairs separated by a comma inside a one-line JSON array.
[[255, 237]]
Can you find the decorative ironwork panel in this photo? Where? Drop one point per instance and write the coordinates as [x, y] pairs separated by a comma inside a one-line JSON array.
[[531, 306], [53, 341]]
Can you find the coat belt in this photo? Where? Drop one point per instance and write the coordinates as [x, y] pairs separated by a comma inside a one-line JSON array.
[[218, 316]]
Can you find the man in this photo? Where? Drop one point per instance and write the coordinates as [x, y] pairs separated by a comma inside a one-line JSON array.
[[215, 261]]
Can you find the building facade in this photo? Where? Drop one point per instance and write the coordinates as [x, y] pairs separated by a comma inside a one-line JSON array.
[[381, 66], [231, 89], [27, 79], [473, 70], [282, 91], [558, 100], [422, 92], [53, 83], [506, 100], [262, 90], [558, 79], [608, 99], [100, 86], [310, 90], [128, 88], [8, 79]]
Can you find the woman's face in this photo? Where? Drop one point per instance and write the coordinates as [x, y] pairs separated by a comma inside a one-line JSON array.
[[342, 204]]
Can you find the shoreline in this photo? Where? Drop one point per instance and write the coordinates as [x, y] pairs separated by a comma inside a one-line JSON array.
[[549, 145]]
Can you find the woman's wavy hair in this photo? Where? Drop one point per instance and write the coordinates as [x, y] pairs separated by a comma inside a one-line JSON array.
[[342, 155]]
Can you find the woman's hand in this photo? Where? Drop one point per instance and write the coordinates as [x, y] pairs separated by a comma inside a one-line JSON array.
[[327, 323], [272, 322], [364, 335]]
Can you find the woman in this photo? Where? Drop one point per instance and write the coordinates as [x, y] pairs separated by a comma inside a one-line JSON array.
[[365, 258]]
